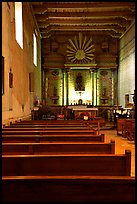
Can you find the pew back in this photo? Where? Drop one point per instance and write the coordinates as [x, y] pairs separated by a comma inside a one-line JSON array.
[[68, 189], [53, 138], [46, 125], [67, 164], [57, 148], [32, 131], [50, 122]]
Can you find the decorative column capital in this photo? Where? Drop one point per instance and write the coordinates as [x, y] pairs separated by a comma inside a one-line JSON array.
[[92, 70]]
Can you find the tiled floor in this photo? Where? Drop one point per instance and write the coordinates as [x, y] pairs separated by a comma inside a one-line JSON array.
[[122, 144]]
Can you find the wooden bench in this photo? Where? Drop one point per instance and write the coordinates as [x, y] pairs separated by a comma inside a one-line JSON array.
[[126, 128], [68, 189], [44, 127], [95, 122], [29, 125], [56, 125], [120, 125], [50, 122], [67, 165], [129, 129], [57, 148], [32, 131], [61, 122], [53, 138]]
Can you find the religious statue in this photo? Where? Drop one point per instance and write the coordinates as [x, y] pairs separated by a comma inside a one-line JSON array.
[[55, 91], [104, 93], [79, 82], [104, 97], [55, 97]]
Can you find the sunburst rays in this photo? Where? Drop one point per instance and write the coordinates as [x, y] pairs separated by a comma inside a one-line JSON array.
[[80, 49]]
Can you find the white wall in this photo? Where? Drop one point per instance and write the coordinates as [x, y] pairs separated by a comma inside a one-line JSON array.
[[126, 70]]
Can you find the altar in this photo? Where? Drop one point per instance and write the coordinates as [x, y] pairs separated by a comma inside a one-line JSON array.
[[77, 110]]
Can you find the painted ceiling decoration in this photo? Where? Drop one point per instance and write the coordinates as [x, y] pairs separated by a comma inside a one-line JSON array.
[[80, 49]]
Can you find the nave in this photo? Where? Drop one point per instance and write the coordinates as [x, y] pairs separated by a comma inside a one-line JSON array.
[[66, 65]]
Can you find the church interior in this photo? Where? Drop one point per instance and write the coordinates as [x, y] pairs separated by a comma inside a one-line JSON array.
[[68, 95]]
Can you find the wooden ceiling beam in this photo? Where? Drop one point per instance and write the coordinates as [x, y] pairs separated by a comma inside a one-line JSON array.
[[116, 28], [119, 22], [42, 10], [83, 4], [93, 32], [126, 15], [110, 18]]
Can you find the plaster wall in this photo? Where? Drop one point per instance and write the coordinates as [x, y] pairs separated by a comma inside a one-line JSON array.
[[126, 71], [18, 101]]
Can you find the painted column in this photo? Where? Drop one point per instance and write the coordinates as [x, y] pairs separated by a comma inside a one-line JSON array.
[[67, 86], [63, 77], [117, 99], [96, 87], [112, 86], [93, 87], [91, 82], [46, 87]]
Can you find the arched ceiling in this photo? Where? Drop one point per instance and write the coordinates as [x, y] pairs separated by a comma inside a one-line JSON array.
[[100, 18]]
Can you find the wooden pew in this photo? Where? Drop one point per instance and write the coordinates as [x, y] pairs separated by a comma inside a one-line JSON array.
[[29, 125], [57, 148], [120, 125], [44, 127], [32, 131], [53, 138], [50, 122], [67, 165], [56, 125], [126, 127], [82, 125], [129, 129], [68, 183], [68, 189], [95, 122], [89, 124], [62, 122]]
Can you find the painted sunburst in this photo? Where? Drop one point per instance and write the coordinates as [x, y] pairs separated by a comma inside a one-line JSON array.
[[80, 49]]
